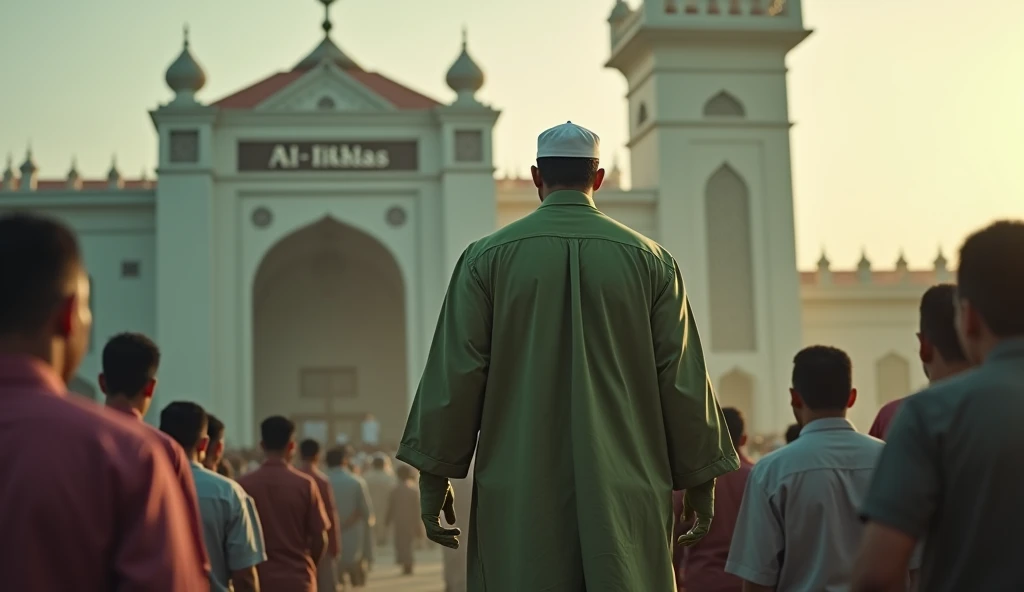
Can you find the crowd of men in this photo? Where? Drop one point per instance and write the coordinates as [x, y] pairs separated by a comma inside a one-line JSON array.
[[567, 372]]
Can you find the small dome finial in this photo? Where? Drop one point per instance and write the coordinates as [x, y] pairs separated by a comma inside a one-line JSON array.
[[465, 77], [185, 76], [823, 263], [620, 12], [8, 177], [114, 180]]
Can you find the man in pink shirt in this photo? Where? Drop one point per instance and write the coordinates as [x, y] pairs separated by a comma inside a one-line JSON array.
[[939, 349], [702, 566], [130, 363], [309, 454], [92, 505]]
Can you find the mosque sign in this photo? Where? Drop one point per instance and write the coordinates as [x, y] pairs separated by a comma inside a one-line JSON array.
[[401, 155]]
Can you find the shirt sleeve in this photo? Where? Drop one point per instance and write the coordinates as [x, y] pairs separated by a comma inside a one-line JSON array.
[[318, 519], [155, 549], [183, 468], [699, 445], [905, 488], [244, 545], [441, 433], [365, 505], [333, 547], [758, 541]]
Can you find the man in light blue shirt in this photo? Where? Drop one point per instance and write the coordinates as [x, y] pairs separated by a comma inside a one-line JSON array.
[[352, 502], [231, 525]]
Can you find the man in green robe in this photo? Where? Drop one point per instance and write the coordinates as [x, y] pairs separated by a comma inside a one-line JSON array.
[[566, 357]]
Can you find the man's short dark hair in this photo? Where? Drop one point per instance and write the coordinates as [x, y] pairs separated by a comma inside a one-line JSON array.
[[130, 361], [309, 448], [737, 427], [276, 432], [991, 276], [214, 428], [379, 463], [575, 173], [335, 457], [39, 263], [823, 376], [938, 324], [185, 422], [403, 472], [792, 433]]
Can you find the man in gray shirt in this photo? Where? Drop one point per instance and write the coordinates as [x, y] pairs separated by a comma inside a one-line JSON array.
[[952, 472], [798, 527], [231, 525]]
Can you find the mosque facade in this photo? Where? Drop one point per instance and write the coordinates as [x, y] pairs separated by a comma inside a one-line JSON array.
[[293, 252]]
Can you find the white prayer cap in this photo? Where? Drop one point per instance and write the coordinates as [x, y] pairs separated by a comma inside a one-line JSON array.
[[568, 141]]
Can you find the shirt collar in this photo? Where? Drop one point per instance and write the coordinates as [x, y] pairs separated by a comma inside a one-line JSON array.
[[23, 370], [827, 424], [122, 405], [568, 197], [1008, 349]]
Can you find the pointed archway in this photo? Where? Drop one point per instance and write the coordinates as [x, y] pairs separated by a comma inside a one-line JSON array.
[[329, 334]]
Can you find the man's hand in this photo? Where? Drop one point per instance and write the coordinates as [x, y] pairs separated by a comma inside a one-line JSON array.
[[437, 496], [699, 506]]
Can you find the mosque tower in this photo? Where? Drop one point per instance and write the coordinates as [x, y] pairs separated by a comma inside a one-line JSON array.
[[709, 130]]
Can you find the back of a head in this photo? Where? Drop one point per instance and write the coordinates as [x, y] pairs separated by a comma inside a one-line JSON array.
[[792, 433], [309, 449], [379, 463], [568, 173], [737, 426], [39, 266], [184, 421], [130, 361], [276, 433], [404, 473], [991, 277], [823, 377], [215, 428], [335, 457], [938, 323]]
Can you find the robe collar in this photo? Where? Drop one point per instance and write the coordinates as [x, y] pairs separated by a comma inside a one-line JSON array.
[[568, 197]]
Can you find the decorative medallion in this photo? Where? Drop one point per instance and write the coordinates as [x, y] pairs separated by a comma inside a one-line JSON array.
[[262, 217], [396, 216]]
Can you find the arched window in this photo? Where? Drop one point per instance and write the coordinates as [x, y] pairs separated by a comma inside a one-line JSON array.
[[736, 389], [730, 262], [724, 105], [325, 103], [892, 374]]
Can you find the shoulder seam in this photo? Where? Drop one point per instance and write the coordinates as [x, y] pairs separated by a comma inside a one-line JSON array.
[[667, 264]]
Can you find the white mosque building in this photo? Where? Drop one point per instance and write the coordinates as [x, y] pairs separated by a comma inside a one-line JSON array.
[[293, 253]]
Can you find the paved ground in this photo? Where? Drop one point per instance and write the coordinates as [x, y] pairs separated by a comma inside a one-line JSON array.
[[387, 577]]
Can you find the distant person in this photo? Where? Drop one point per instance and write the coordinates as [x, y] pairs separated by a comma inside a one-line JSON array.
[[952, 472], [309, 453], [89, 501], [130, 363], [381, 481], [370, 430], [567, 360], [792, 433], [798, 526], [403, 517], [225, 469], [231, 524], [294, 519], [352, 501], [215, 449], [703, 564], [939, 348]]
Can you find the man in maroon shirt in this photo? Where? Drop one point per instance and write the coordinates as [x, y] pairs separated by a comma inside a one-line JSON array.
[[294, 519], [130, 363], [939, 348], [309, 451], [702, 566], [92, 505]]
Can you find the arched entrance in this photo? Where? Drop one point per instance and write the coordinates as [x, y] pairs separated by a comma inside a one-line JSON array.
[[329, 334]]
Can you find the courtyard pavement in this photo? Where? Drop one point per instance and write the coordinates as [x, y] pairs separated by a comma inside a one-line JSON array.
[[387, 577]]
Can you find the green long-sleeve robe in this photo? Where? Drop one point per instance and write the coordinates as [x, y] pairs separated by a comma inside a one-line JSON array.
[[566, 356]]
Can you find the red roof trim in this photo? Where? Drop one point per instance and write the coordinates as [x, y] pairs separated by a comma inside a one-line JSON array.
[[402, 97], [89, 185]]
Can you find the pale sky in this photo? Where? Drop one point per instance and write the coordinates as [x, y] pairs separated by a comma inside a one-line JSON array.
[[909, 114]]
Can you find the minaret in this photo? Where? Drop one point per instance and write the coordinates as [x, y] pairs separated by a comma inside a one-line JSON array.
[[74, 180], [465, 77], [708, 116], [28, 172], [864, 268], [8, 178], [824, 268], [114, 180]]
